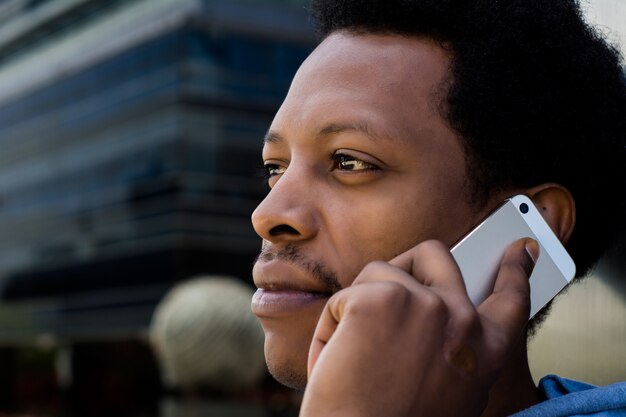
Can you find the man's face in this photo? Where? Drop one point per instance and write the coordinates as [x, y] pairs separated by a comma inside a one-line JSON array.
[[363, 167]]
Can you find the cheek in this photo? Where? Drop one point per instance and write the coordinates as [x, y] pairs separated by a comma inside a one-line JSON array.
[[381, 221], [385, 227], [378, 230], [396, 228]]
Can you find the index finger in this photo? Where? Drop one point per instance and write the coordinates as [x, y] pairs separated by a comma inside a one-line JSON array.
[[432, 264]]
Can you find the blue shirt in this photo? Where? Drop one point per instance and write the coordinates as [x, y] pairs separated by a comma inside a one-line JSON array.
[[567, 398]]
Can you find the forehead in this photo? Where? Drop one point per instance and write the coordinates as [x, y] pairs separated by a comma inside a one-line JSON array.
[[390, 81], [381, 58]]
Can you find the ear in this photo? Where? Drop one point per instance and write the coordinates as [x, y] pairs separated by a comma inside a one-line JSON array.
[[557, 206]]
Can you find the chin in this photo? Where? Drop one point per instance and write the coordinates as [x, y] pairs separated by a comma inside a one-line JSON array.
[[286, 359], [288, 376]]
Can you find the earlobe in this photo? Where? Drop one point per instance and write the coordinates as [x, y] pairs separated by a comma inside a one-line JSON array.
[[557, 206]]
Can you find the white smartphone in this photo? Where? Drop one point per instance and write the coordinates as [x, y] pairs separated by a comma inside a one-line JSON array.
[[479, 253]]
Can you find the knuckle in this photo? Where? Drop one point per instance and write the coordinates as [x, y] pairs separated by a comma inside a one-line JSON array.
[[429, 246], [514, 267], [371, 270], [433, 244], [509, 265], [516, 298], [384, 298], [426, 248], [374, 266], [391, 293], [467, 321], [434, 304], [520, 297]]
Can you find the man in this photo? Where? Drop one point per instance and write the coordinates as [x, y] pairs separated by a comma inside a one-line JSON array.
[[409, 124]]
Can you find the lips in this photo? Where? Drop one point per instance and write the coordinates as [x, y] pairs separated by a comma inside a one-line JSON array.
[[284, 290], [268, 304]]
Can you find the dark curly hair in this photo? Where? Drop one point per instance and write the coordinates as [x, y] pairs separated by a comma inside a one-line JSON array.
[[536, 93]]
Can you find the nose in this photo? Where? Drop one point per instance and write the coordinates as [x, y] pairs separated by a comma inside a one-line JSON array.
[[288, 212]]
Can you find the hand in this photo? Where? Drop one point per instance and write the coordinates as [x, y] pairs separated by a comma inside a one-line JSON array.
[[405, 340]]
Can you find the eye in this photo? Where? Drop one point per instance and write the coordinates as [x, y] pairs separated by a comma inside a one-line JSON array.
[[345, 162], [272, 170]]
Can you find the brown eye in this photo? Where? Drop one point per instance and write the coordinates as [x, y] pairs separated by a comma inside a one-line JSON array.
[[350, 163], [271, 170]]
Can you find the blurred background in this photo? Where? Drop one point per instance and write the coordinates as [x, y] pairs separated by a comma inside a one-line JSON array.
[[130, 137], [584, 337]]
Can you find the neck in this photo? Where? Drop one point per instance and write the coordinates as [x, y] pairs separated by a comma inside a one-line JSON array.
[[515, 389]]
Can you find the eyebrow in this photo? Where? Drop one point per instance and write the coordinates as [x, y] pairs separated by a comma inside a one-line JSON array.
[[272, 137], [332, 129]]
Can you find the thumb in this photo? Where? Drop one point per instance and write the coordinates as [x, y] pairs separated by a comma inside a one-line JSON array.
[[508, 307]]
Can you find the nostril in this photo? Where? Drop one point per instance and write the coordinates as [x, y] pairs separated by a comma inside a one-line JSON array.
[[283, 229]]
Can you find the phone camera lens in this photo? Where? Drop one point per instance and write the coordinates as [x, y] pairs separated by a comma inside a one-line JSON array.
[[523, 208]]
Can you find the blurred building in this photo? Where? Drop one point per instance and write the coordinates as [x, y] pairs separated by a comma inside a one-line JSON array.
[[130, 137]]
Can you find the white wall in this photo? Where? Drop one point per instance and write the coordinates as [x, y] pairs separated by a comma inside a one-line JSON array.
[[610, 17]]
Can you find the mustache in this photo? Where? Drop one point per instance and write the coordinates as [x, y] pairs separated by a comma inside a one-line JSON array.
[[293, 254]]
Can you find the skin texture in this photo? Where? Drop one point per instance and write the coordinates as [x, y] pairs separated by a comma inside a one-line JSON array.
[[368, 187]]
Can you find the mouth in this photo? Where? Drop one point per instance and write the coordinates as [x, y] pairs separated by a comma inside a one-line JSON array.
[[284, 290], [274, 303]]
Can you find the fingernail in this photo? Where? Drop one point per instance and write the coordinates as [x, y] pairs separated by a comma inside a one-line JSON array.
[[532, 248]]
